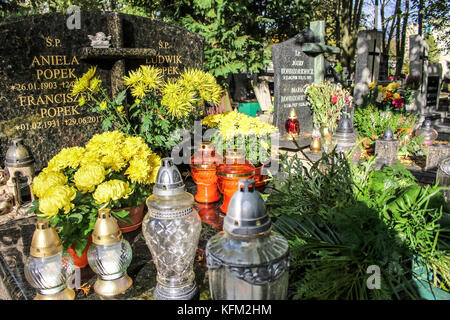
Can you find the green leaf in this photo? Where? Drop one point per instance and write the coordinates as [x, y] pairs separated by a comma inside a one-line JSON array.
[[120, 97], [122, 215]]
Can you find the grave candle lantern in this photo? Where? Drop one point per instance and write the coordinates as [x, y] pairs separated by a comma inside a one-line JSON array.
[[109, 256], [386, 148], [18, 162], [171, 230], [247, 261], [430, 134], [47, 268], [344, 137], [234, 168], [204, 163], [292, 126]]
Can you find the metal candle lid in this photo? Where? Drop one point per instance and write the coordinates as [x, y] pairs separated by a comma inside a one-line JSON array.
[[106, 230], [45, 241], [426, 124], [17, 155], [344, 126], [169, 181], [246, 213], [388, 135], [292, 114]]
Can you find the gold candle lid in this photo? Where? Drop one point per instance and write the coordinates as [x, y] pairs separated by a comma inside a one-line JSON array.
[[45, 241], [292, 114], [106, 230]]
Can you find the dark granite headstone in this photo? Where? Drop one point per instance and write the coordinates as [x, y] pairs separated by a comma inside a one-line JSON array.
[[432, 91], [293, 69], [297, 62], [383, 72], [40, 59]]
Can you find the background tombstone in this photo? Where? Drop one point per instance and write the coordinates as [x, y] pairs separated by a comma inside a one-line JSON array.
[[418, 67], [40, 59], [298, 61], [367, 62], [383, 72]]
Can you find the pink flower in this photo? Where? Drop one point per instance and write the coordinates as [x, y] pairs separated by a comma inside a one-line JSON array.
[[335, 99], [398, 103]]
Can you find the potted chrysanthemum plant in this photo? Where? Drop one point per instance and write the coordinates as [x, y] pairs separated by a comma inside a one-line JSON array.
[[238, 130], [155, 108], [112, 170]]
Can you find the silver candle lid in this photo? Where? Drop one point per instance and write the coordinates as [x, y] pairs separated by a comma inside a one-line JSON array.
[[246, 213], [169, 181], [388, 135], [17, 155]]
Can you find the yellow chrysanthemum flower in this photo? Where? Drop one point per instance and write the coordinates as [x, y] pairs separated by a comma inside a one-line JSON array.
[[94, 85], [119, 109], [138, 90], [177, 99], [133, 78], [139, 170], [103, 105], [55, 198], [393, 86], [133, 146], [111, 190], [372, 85], [45, 180], [151, 77], [79, 85], [81, 101], [88, 176], [396, 96], [89, 74], [66, 158]]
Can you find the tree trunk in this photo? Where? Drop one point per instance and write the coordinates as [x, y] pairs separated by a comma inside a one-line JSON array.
[[349, 20], [420, 18], [403, 40]]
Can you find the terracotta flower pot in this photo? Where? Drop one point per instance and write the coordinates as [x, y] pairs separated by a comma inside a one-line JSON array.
[[203, 168], [82, 261], [136, 216], [234, 168]]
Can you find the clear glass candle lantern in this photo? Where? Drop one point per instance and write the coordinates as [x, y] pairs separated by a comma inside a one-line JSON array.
[[47, 268], [430, 134], [172, 230], [109, 256], [248, 261]]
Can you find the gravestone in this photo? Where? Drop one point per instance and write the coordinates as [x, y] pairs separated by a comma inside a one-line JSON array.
[[41, 57], [383, 72], [367, 62], [418, 67], [298, 61]]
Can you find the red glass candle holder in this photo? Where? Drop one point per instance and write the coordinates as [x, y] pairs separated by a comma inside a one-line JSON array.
[[292, 126], [204, 163], [234, 168]]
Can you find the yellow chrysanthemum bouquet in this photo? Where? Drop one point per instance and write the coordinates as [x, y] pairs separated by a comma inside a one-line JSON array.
[[156, 108], [238, 130], [113, 170]]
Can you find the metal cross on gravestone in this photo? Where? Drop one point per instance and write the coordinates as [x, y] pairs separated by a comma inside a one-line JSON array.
[[318, 49], [374, 54]]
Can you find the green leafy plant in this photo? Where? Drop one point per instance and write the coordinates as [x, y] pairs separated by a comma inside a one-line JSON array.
[[327, 101], [371, 122], [368, 218]]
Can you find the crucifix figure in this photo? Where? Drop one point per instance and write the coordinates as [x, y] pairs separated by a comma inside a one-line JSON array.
[[316, 47], [117, 53]]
